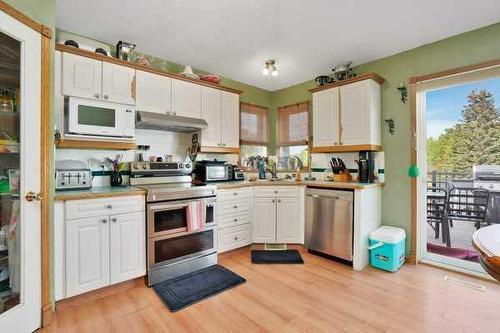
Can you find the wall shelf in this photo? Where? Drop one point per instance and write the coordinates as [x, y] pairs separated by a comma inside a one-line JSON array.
[[100, 145]]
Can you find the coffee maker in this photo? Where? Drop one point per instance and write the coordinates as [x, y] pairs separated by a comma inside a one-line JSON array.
[[366, 167]]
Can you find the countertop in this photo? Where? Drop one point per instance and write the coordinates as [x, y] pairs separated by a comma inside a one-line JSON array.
[[108, 191], [98, 192], [311, 183]]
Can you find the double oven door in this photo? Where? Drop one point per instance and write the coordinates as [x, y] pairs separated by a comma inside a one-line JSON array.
[[169, 239]]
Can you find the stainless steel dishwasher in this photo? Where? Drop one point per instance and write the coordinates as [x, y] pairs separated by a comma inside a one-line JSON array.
[[329, 222]]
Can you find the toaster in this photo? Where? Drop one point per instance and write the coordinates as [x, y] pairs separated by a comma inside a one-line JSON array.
[[72, 175]]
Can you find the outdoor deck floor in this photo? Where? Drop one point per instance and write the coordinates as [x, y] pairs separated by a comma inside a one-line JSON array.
[[461, 235]]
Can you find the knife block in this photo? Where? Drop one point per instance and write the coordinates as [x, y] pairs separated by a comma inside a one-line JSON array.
[[344, 176]]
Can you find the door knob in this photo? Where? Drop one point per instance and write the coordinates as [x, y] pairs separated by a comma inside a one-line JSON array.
[[30, 196]]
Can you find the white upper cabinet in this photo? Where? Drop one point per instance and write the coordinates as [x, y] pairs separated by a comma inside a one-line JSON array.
[[93, 79], [348, 115], [186, 99], [82, 77], [230, 120], [153, 93], [211, 111], [326, 118], [360, 113], [127, 246], [117, 83]]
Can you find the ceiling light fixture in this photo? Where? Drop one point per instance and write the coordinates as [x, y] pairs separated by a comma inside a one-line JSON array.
[[270, 68]]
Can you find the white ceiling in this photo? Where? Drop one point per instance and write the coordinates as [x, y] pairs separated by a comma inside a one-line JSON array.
[[234, 38]]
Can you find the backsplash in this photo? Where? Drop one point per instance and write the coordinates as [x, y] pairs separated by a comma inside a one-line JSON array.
[[321, 162]]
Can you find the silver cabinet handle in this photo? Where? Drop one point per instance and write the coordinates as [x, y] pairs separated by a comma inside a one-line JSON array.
[[276, 191], [224, 144], [105, 96], [114, 219], [236, 238], [104, 221], [274, 201], [235, 206], [97, 95], [235, 220], [279, 200], [235, 193], [109, 206]]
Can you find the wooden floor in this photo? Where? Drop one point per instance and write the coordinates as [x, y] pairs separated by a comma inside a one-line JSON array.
[[319, 296]]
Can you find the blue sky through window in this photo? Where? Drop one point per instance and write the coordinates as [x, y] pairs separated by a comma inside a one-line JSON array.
[[444, 106]]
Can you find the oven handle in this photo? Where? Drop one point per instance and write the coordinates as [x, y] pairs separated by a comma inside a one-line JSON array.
[[178, 234], [179, 204]]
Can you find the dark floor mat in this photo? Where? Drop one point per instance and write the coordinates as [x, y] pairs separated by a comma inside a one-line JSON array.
[[276, 257], [193, 287]]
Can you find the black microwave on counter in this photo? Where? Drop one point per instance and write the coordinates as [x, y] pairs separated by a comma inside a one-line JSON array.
[[216, 171]]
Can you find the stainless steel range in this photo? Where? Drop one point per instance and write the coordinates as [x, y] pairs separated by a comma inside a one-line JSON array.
[[488, 177], [172, 248]]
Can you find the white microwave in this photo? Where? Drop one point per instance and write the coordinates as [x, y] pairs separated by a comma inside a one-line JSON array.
[[99, 118]]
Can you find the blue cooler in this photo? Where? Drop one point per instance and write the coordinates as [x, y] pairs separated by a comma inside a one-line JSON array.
[[387, 248]]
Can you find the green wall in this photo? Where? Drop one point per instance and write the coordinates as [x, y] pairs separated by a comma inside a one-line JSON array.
[[465, 49]]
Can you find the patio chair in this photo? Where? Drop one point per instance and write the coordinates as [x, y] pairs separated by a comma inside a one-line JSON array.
[[468, 204], [436, 203]]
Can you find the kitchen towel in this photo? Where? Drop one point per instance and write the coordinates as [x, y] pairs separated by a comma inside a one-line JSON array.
[[196, 216]]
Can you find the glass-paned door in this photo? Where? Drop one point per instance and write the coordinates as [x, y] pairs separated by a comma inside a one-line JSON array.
[[20, 66], [459, 157]]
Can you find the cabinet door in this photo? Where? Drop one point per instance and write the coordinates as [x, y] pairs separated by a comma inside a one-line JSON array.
[[117, 83], [211, 111], [288, 221], [264, 220], [87, 255], [153, 92], [81, 77], [326, 118], [230, 120], [186, 99], [355, 113], [127, 246]]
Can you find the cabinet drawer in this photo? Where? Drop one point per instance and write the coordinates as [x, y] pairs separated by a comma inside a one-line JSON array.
[[230, 220], [276, 191], [78, 209], [235, 193], [233, 206], [233, 238]]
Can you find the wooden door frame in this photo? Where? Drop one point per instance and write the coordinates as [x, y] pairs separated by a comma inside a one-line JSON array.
[[414, 254], [46, 158]]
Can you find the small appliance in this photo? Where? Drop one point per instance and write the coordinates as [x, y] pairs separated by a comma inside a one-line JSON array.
[[366, 167], [99, 118], [72, 175], [212, 171], [236, 172]]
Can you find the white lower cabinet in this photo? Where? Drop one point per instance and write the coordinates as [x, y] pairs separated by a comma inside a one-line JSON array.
[[278, 214], [87, 255], [98, 250], [127, 246], [233, 218]]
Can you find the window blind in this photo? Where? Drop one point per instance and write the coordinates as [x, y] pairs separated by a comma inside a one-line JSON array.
[[253, 124], [293, 124]]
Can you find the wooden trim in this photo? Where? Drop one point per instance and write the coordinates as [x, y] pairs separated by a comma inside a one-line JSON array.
[[80, 300], [346, 148], [97, 56], [454, 71], [11, 11], [89, 194], [254, 143], [45, 163], [220, 150], [293, 143], [368, 76], [88, 144], [254, 105], [413, 181]]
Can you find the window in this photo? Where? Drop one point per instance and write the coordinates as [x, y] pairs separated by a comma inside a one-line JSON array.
[[293, 136], [254, 134]]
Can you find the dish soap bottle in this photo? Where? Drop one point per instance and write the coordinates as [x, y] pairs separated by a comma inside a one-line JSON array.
[[298, 177]]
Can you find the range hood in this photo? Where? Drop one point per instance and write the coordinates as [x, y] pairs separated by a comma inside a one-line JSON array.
[[165, 122]]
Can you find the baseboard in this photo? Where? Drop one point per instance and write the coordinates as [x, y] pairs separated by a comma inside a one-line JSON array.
[[99, 293]]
